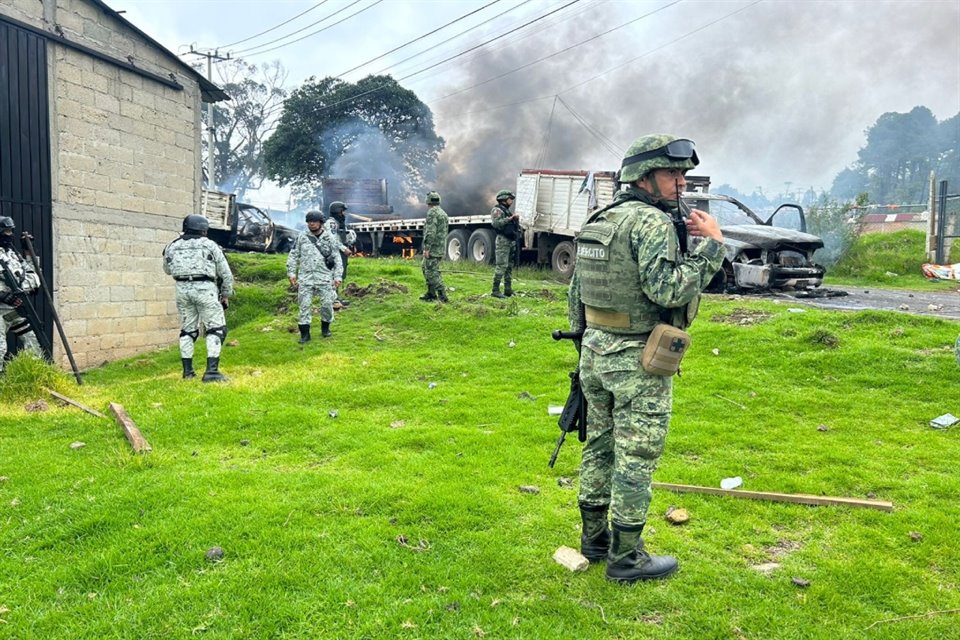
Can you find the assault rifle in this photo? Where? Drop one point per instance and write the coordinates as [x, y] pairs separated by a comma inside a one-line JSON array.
[[20, 301], [574, 414]]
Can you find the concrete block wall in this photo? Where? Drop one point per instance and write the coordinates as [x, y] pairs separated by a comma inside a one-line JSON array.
[[125, 155]]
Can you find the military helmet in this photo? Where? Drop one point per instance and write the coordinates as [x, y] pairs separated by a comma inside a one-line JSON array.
[[195, 224], [337, 207], [433, 198], [7, 223], [503, 195], [658, 151], [314, 216]]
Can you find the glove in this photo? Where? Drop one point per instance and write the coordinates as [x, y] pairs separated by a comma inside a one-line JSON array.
[[11, 298], [225, 303]]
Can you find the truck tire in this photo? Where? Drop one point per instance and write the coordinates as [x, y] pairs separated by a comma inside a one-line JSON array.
[[481, 247], [456, 245], [563, 259]]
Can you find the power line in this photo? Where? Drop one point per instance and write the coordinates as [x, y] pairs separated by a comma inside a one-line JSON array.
[[556, 53], [257, 35], [429, 33], [609, 144], [251, 51], [377, 88], [542, 156]]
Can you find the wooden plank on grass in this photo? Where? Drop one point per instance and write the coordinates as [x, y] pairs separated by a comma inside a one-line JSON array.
[[136, 439], [78, 405], [800, 498]]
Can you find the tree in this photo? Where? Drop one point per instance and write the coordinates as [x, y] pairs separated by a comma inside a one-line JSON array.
[[241, 124], [372, 129]]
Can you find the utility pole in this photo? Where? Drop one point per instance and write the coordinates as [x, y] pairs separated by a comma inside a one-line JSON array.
[[211, 182]]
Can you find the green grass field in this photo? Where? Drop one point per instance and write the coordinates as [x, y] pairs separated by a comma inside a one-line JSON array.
[[367, 486]]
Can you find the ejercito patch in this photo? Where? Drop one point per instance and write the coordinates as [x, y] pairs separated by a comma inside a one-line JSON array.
[[592, 252]]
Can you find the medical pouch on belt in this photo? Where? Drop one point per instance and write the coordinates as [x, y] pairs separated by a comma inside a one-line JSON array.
[[190, 258], [610, 286]]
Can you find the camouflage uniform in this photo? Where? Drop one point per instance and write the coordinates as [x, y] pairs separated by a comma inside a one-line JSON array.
[[203, 277], [10, 320], [308, 263], [505, 243], [434, 241], [346, 238], [628, 409]]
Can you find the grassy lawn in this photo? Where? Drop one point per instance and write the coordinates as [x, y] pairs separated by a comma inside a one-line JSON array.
[[888, 260], [367, 486]]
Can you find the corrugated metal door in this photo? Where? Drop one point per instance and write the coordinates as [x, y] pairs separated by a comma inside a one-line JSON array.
[[25, 145]]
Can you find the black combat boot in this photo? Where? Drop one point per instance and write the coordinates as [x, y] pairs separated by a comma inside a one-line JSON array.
[[212, 374], [429, 296], [496, 288], [188, 371], [507, 286], [628, 562], [595, 535], [325, 329], [304, 333], [442, 295]]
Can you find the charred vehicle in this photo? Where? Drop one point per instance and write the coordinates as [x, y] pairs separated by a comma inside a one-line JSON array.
[[776, 253], [236, 225]]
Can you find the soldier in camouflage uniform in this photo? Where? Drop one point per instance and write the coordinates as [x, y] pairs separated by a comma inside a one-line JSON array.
[[204, 287], [314, 267], [434, 244], [633, 272], [26, 276], [507, 228], [336, 224]]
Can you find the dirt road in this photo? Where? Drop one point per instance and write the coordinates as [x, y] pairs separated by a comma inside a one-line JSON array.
[[944, 304]]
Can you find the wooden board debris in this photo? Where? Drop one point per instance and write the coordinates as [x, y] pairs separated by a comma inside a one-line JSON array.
[[571, 559], [136, 439], [800, 498], [78, 405]]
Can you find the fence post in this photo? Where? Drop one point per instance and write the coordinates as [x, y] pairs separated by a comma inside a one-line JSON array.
[[932, 221]]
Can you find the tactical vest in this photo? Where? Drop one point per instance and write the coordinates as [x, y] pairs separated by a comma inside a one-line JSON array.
[[191, 257], [610, 283]]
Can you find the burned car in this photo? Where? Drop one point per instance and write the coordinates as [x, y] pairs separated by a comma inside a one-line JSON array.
[[773, 254], [284, 238]]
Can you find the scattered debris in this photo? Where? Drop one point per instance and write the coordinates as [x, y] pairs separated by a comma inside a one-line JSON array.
[[891, 274], [38, 405], [76, 404], [796, 310], [766, 568], [731, 401], [397, 424], [511, 344], [134, 437], [333, 413], [916, 536], [928, 614], [731, 483], [823, 427], [571, 559], [934, 307], [800, 582], [422, 545], [715, 352], [214, 554], [432, 385], [677, 516], [564, 482], [4, 478], [904, 307], [244, 443], [380, 288], [77, 445], [523, 395], [256, 373], [944, 421], [378, 337], [554, 410], [529, 488], [233, 343]]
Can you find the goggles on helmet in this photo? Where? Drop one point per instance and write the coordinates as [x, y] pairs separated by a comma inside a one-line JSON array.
[[681, 149]]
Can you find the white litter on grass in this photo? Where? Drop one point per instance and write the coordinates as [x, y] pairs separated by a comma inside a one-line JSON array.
[[944, 421], [554, 410], [796, 310], [431, 385], [731, 483]]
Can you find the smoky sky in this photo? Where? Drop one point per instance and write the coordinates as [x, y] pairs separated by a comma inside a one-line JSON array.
[[777, 96]]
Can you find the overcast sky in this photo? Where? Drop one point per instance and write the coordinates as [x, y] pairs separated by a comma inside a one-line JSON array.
[[773, 92]]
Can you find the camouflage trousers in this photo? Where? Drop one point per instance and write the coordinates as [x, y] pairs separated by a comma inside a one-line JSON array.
[[506, 254], [628, 412], [306, 292], [10, 319], [199, 303], [431, 273]]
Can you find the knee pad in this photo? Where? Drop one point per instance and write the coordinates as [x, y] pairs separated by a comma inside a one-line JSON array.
[[193, 335], [21, 328], [220, 332]]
